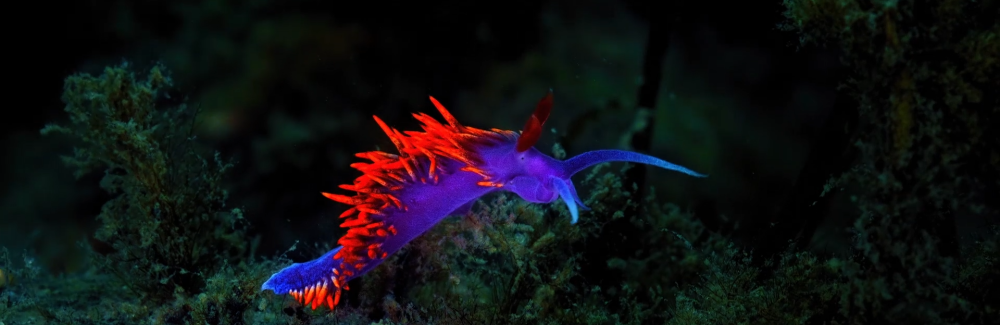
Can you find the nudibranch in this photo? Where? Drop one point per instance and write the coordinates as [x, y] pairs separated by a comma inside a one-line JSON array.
[[439, 172]]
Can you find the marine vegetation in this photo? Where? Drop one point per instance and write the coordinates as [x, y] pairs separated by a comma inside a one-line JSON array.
[[166, 222]]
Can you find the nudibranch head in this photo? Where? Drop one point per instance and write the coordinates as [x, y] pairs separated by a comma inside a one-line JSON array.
[[539, 178]]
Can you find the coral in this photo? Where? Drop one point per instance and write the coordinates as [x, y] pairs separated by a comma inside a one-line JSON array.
[[166, 224]]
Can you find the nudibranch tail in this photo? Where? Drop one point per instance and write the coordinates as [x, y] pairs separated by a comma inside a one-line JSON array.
[[317, 282]]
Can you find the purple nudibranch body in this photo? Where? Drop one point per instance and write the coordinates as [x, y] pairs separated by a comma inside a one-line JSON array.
[[439, 172]]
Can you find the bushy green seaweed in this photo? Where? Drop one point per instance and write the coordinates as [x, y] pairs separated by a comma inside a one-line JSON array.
[[806, 289], [166, 227], [927, 156]]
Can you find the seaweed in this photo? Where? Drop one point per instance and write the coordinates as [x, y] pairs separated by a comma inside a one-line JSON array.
[[922, 77], [167, 224]]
